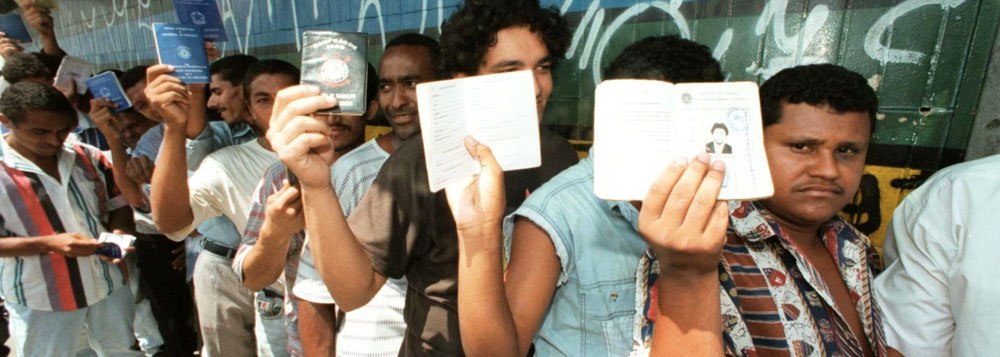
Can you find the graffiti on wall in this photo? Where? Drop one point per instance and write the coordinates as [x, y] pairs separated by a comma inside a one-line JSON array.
[[590, 40]]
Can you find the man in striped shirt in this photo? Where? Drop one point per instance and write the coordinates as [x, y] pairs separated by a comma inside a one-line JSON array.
[[57, 197]]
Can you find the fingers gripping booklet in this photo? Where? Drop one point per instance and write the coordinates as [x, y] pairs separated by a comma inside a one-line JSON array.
[[498, 110], [641, 126]]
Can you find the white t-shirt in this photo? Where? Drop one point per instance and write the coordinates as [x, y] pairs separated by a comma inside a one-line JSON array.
[[939, 294], [224, 185]]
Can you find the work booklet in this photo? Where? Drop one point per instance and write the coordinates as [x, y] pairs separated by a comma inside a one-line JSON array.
[[12, 25], [183, 47], [498, 110], [335, 62], [73, 70], [641, 126], [204, 14], [106, 85]]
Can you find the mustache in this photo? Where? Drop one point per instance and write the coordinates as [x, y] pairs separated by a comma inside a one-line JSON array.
[[404, 111]]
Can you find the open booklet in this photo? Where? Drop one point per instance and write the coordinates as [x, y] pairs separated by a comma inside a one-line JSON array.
[[73, 73], [497, 110], [641, 126], [114, 245]]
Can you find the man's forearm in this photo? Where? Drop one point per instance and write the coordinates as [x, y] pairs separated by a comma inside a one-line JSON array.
[[198, 113], [50, 46], [689, 322], [23, 246], [266, 259], [481, 297], [340, 259], [169, 197], [131, 190]]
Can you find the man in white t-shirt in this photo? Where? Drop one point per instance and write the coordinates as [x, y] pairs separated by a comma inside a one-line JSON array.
[[940, 252], [222, 185]]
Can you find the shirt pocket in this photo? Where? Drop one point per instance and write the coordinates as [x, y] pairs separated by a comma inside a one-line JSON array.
[[607, 318]]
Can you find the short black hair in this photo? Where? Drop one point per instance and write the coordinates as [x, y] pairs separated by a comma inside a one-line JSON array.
[[268, 66], [22, 97], [720, 126], [469, 33], [818, 85], [25, 65], [133, 76], [232, 68], [415, 39], [665, 58]]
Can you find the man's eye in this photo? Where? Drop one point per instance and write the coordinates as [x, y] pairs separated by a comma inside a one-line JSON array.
[[799, 147], [384, 88], [411, 84], [545, 68]]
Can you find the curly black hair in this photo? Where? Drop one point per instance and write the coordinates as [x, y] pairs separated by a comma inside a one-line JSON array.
[[818, 85], [665, 58], [22, 97], [23, 66], [232, 68], [472, 30]]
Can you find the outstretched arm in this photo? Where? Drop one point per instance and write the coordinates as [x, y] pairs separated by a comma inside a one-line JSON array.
[[303, 144], [685, 224], [41, 20], [111, 127], [169, 195]]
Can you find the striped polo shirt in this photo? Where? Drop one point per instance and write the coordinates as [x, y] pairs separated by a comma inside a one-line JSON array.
[[32, 204]]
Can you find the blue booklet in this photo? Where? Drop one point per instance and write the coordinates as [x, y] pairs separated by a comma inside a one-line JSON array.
[[183, 47], [204, 14], [12, 25], [106, 85]]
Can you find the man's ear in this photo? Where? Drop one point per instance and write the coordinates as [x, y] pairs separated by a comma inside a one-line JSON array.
[[5, 120], [372, 111]]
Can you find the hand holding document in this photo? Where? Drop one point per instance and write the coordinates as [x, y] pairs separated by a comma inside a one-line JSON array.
[[106, 85], [498, 110], [183, 47], [640, 126], [73, 71]]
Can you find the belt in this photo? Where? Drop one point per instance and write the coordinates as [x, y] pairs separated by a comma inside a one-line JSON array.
[[219, 250]]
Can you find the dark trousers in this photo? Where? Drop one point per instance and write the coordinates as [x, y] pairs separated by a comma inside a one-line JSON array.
[[168, 292]]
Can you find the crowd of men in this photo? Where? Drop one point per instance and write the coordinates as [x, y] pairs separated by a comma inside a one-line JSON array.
[[279, 230]]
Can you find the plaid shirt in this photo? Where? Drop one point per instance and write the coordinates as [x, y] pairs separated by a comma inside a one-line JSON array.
[[773, 300], [34, 204], [270, 184]]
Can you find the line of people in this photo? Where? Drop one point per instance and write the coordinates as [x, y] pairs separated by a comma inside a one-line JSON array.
[[301, 238]]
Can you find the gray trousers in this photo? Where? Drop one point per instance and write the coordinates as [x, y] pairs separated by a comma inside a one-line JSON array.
[[225, 308]]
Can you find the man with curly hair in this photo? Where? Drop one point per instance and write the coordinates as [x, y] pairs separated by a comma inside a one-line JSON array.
[[400, 228]]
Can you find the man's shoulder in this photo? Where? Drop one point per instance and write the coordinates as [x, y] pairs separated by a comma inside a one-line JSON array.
[[369, 153], [575, 182]]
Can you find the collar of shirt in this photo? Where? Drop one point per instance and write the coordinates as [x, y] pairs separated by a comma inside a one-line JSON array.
[[14, 159], [751, 221], [241, 129]]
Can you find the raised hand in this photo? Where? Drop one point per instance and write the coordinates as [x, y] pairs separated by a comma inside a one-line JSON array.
[[302, 141], [682, 219], [72, 244], [9, 46], [105, 120], [478, 203], [168, 96], [38, 18], [284, 211]]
